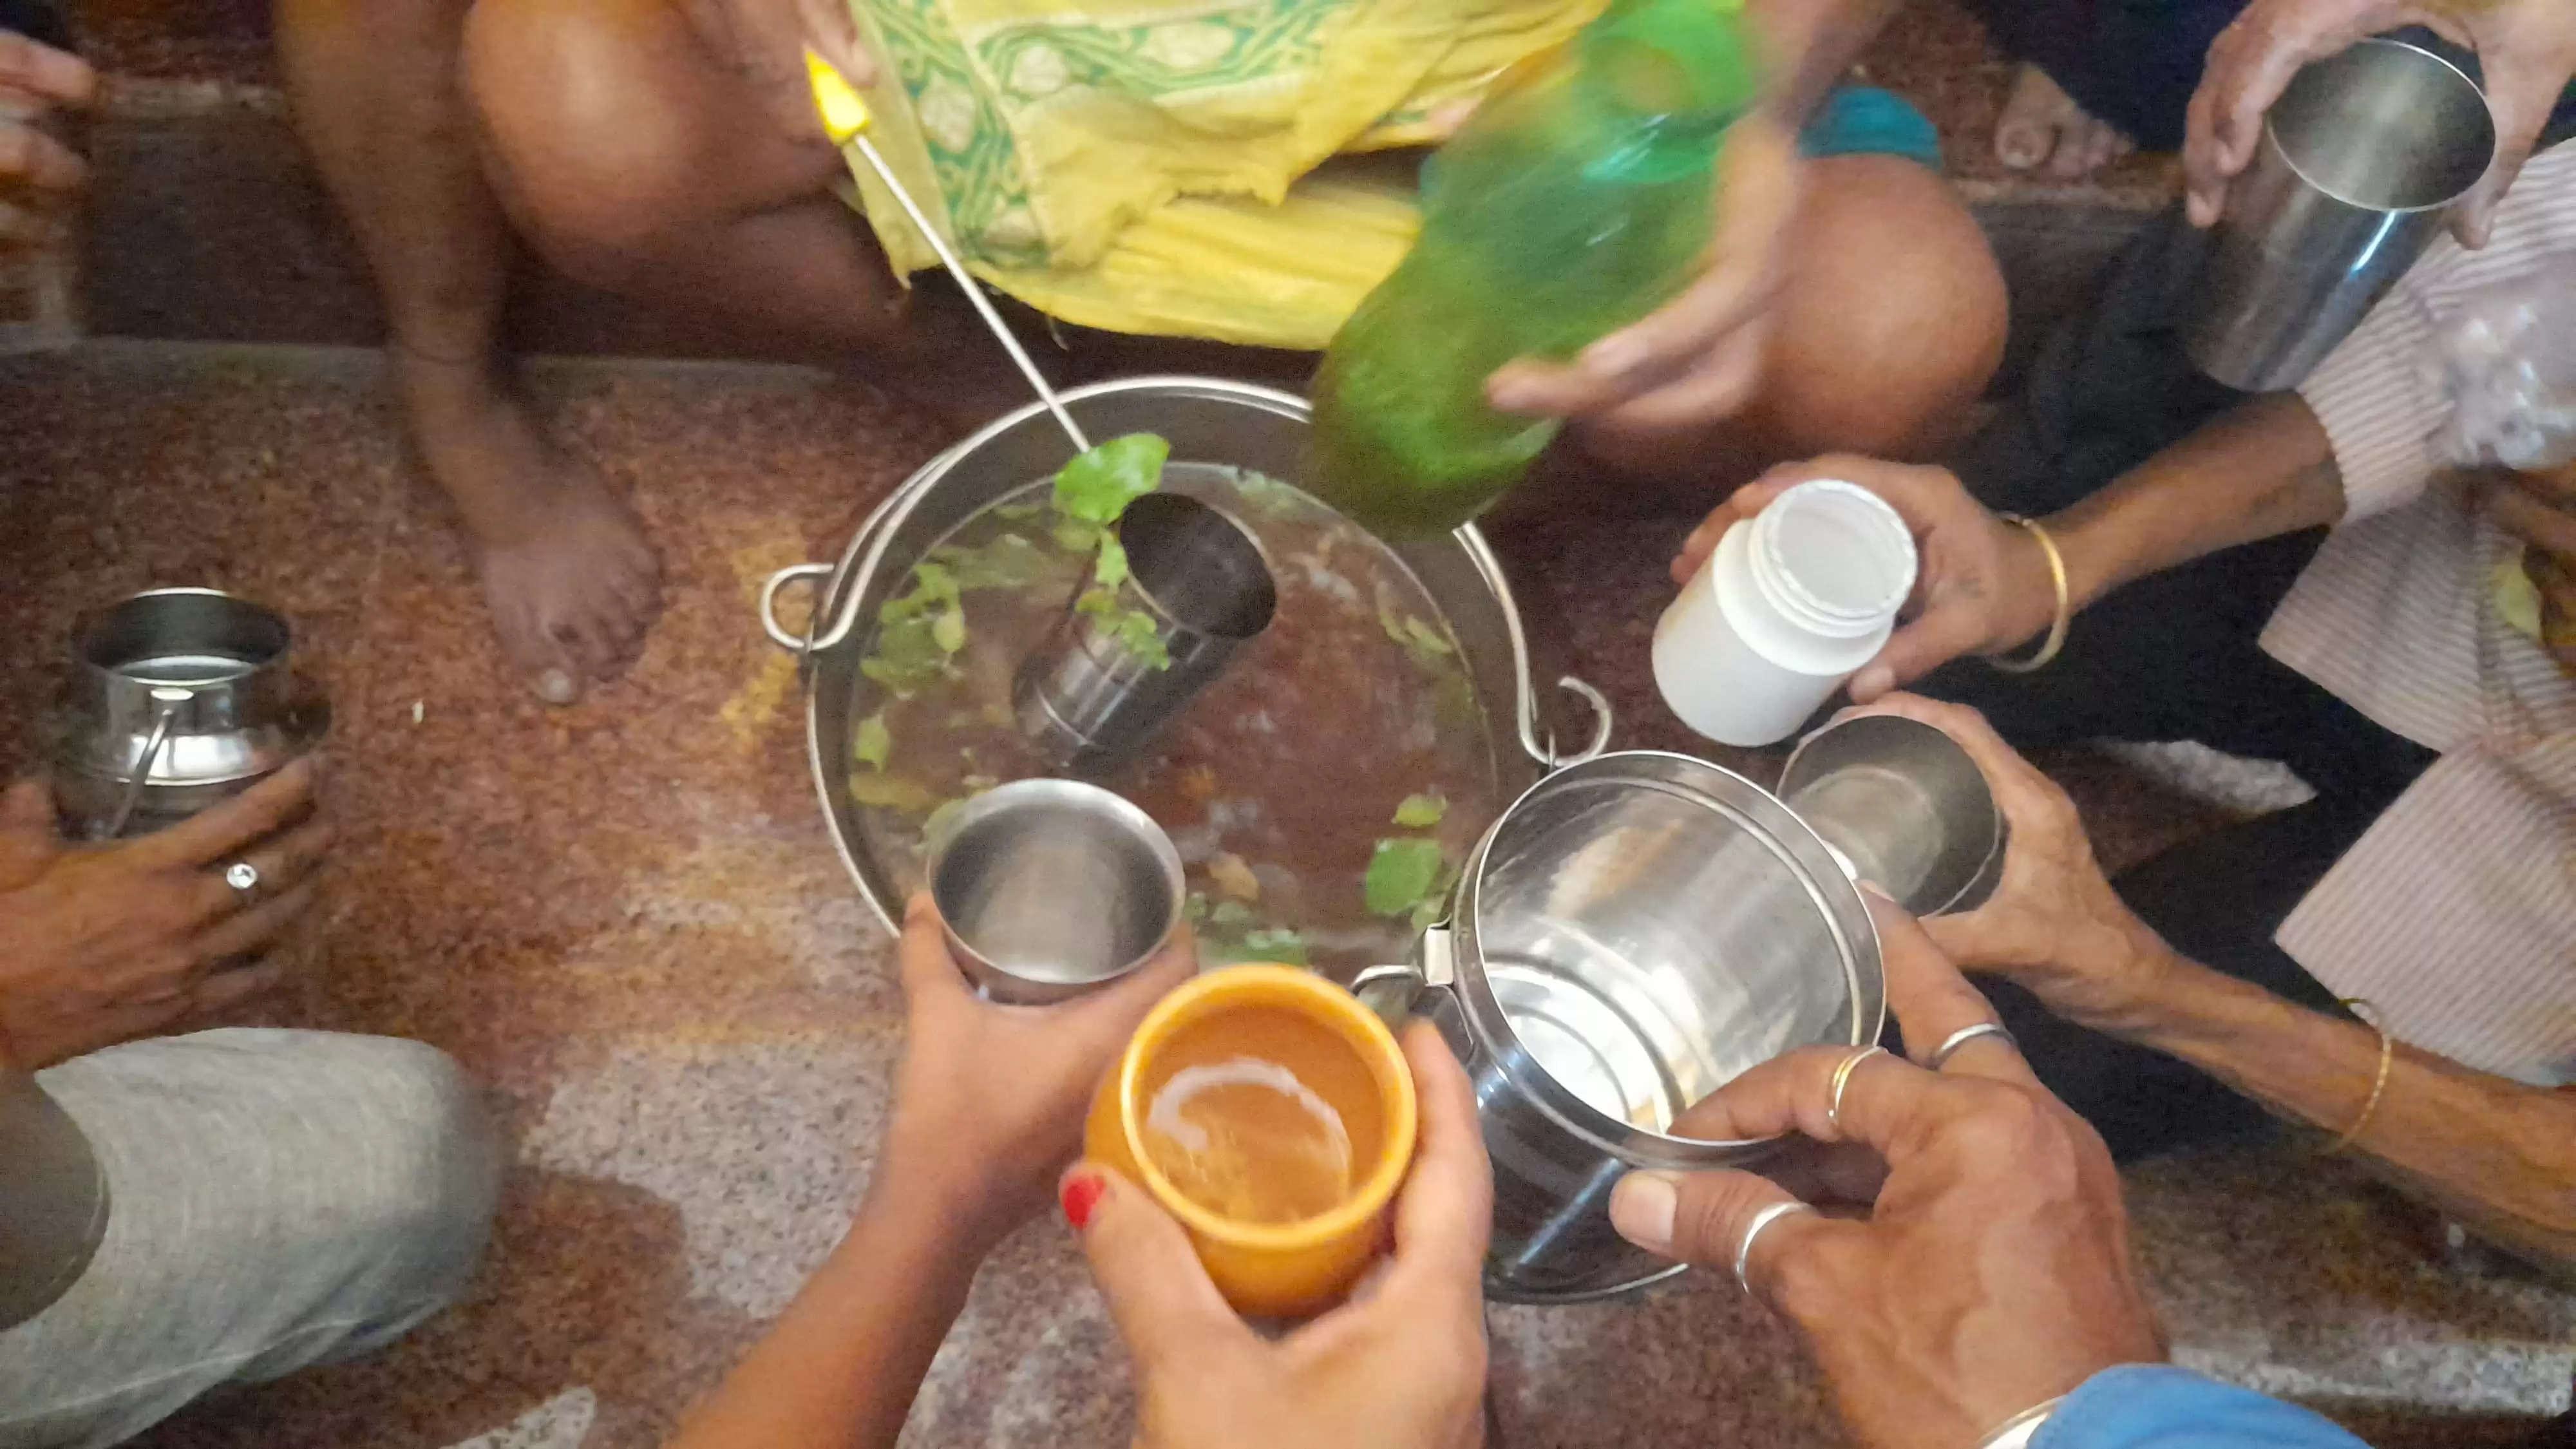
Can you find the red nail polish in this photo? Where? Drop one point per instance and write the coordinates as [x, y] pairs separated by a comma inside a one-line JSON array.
[[1081, 1195]]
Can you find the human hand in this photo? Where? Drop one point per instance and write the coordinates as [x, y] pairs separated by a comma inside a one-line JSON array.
[[34, 80], [1402, 1365], [2526, 50], [1982, 585], [2053, 924], [989, 1099], [110, 942], [1990, 1270], [1701, 356], [2540, 509], [831, 28]]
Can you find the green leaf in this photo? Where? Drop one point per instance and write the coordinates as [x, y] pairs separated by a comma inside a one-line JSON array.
[[872, 742], [1137, 632], [1097, 486], [1421, 812], [892, 792], [948, 631], [1195, 909], [1010, 561], [1111, 570], [1278, 944], [1074, 536], [1014, 512], [1427, 912], [1401, 875], [1229, 913]]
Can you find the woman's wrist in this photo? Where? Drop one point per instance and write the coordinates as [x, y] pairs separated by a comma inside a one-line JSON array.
[[951, 1192]]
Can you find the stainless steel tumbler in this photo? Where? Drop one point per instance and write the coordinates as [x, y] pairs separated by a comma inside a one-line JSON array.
[[2360, 161]]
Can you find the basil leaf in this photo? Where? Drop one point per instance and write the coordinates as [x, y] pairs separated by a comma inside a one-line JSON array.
[[1097, 486], [873, 742], [1401, 875]]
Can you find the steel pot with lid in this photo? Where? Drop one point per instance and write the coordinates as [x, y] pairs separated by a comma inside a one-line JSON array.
[[1631, 933], [1212, 425]]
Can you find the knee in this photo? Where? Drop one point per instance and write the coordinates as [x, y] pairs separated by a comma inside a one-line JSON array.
[[438, 1163], [1893, 315], [589, 160]]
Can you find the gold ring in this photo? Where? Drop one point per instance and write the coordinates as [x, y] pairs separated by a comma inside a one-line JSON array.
[[1842, 1079]]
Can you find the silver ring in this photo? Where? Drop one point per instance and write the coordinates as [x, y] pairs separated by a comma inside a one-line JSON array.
[[1763, 1219], [1842, 1079], [1950, 1045], [243, 877]]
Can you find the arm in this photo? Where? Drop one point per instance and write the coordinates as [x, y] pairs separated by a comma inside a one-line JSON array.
[[841, 1365], [2497, 1155], [2263, 469], [988, 1106]]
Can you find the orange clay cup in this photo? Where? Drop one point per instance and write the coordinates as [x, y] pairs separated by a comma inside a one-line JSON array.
[[1270, 1269]]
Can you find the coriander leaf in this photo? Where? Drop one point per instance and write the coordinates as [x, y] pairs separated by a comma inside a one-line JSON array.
[[1401, 874], [1097, 486], [1420, 812], [872, 742], [1111, 570]]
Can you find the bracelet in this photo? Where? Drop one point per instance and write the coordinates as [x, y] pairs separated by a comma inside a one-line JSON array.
[[2022, 1427], [2378, 1084], [2056, 639]]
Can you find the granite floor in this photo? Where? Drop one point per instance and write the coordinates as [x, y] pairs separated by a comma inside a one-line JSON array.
[[626, 919]]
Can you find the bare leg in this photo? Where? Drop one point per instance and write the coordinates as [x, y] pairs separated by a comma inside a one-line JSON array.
[[2043, 129], [1892, 320], [572, 581]]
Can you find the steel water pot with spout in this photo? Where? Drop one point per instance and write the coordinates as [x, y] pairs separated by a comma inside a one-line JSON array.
[[1633, 932]]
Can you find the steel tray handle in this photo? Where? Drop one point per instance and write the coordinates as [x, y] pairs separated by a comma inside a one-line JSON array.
[[793, 573], [1602, 719]]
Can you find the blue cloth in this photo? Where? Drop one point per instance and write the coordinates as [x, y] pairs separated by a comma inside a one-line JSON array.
[[1867, 121], [2156, 1406]]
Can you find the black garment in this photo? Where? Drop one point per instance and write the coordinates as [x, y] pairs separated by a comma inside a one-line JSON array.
[[2133, 64], [2172, 656]]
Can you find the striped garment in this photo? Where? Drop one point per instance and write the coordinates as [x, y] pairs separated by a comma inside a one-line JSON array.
[[2456, 914]]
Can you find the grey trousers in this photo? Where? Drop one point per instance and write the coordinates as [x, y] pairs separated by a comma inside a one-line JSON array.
[[278, 1199]]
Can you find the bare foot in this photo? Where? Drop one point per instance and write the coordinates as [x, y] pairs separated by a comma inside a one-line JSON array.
[[2043, 129], [571, 579]]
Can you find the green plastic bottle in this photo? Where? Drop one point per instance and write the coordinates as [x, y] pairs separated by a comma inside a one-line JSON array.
[[1576, 200]]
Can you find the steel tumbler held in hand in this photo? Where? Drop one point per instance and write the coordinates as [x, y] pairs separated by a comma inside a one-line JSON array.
[[2360, 161]]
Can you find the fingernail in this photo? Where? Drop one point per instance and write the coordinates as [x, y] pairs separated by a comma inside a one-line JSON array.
[[1880, 891], [557, 687], [1082, 1193], [1642, 1208]]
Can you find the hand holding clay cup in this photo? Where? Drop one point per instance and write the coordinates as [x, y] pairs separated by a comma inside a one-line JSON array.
[[1401, 1365], [1988, 1270]]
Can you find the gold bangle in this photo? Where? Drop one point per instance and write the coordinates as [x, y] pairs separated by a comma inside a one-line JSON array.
[[2056, 639], [2378, 1084]]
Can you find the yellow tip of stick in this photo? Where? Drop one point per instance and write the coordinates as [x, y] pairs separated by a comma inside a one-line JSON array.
[[835, 100]]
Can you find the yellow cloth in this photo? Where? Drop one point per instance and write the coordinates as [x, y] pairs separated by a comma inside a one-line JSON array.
[[1152, 165]]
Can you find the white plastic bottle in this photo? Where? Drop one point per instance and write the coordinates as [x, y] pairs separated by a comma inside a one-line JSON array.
[[1793, 601]]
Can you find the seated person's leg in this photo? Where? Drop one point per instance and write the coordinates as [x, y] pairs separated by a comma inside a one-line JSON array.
[[278, 1199], [1890, 322], [570, 577]]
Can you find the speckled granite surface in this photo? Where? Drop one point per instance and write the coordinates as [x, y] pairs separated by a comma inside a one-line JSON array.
[[626, 918]]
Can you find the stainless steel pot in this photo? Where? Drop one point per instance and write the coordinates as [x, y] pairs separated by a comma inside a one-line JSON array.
[[1207, 420], [182, 698], [1633, 932]]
